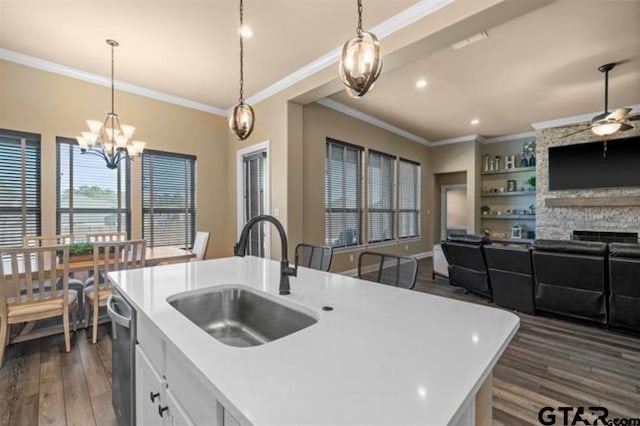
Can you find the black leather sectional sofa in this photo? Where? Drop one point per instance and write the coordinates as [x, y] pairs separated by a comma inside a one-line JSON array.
[[591, 281]]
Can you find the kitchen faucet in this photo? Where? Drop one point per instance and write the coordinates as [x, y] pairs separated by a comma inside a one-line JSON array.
[[286, 271]]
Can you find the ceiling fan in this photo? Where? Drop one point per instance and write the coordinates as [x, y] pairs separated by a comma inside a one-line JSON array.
[[608, 123]]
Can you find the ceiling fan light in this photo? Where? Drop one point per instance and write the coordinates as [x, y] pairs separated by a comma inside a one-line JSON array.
[[241, 121], [360, 63], [94, 126], [606, 129]]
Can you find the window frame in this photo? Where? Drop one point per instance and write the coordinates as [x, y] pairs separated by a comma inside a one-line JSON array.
[[190, 209], [120, 211], [394, 197], [418, 190], [359, 210], [23, 140]]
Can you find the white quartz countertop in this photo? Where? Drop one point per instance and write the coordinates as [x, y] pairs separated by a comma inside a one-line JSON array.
[[382, 356]]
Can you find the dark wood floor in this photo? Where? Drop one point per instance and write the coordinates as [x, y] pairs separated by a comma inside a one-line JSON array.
[[550, 362]]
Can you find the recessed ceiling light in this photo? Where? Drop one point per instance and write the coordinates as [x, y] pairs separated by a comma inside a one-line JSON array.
[[245, 31], [475, 122], [421, 84]]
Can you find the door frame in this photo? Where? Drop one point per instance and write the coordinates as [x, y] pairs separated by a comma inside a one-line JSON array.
[[241, 153], [443, 206]]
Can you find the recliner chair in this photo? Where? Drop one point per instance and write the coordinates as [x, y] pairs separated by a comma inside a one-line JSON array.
[[624, 285], [511, 276], [467, 264], [571, 279]]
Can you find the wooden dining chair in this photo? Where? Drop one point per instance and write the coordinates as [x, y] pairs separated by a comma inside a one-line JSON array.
[[102, 237], [110, 256], [47, 240], [200, 245], [28, 291]]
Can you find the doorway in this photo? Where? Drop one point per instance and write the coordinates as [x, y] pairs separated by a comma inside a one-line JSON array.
[[454, 210], [253, 196]]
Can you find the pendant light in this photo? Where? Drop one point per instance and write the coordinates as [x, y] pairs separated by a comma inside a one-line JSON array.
[[361, 61], [109, 139], [242, 117]]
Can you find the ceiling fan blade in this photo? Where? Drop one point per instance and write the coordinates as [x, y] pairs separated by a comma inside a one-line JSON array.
[[634, 118], [574, 133], [619, 114], [624, 127]]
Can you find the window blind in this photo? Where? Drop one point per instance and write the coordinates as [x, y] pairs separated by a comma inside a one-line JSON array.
[[19, 187], [343, 194], [90, 197], [381, 211], [254, 198], [408, 199], [168, 199]]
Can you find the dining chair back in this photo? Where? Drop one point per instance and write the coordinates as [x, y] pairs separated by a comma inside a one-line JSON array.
[[399, 271], [28, 290], [314, 257], [200, 245], [47, 240], [106, 237], [110, 256]]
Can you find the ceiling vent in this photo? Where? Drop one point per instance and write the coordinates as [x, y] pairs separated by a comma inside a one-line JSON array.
[[470, 40]]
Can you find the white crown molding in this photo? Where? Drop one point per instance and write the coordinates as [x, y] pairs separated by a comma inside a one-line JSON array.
[[397, 22], [582, 118], [460, 139], [79, 74], [514, 137], [352, 112]]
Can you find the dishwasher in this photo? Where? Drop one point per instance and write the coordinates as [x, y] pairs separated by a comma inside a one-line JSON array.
[[123, 361]]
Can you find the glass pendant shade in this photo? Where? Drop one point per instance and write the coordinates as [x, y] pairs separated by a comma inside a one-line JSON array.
[[241, 120], [360, 64], [606, 128]]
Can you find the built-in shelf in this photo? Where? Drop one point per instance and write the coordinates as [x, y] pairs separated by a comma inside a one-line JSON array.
[[506, 171], [510, 216], [508, 194]]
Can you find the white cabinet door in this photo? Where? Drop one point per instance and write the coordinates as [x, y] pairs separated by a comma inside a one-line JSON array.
[[176, 412], [149, 392]]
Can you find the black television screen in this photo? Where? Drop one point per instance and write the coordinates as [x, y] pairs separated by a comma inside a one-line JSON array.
[[584, 166]]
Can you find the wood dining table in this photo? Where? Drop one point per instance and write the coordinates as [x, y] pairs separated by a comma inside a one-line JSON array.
[[153, 256]]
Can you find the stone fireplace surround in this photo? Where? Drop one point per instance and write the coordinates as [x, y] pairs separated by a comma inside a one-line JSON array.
[[620, 214]]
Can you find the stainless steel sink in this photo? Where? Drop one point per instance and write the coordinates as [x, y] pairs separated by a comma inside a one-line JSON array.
[[239, 317]]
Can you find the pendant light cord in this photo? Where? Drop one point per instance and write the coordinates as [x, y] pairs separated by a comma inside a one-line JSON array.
[[241, 54], [359, 29], [112, 81]]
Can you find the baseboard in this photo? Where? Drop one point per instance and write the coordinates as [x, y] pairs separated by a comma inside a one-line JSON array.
[[371, 268]]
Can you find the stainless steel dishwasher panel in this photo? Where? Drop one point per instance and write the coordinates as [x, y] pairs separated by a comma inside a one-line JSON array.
[[123, 336]]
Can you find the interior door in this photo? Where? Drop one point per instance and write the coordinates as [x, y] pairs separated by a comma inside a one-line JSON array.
[[454, 210], [254, 166]]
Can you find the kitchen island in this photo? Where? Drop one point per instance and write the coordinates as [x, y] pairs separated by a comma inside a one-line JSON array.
[[382, 355]]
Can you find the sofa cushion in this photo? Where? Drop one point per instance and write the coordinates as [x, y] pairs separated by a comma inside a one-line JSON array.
[[624, 250], [592, 248]]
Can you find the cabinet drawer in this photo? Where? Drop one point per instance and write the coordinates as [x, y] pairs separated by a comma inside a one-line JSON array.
[[150, 389], [150, 339], [188, 389]]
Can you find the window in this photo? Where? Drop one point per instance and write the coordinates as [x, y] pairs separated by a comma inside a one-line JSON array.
[[168, 199], [19, 187], [343, 194], [381, 210], [90, 198], [408, 199]]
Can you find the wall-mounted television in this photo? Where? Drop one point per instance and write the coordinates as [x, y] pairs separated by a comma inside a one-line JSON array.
[[584, 166]]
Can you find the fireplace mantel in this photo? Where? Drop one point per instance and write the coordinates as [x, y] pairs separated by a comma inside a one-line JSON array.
[[629, 201]]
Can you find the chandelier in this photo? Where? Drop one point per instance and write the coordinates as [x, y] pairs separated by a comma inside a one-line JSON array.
[[242, 117], [109, 139], [361, 61]]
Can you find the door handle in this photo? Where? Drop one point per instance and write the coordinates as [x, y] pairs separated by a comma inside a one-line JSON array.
[[161, 410]]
